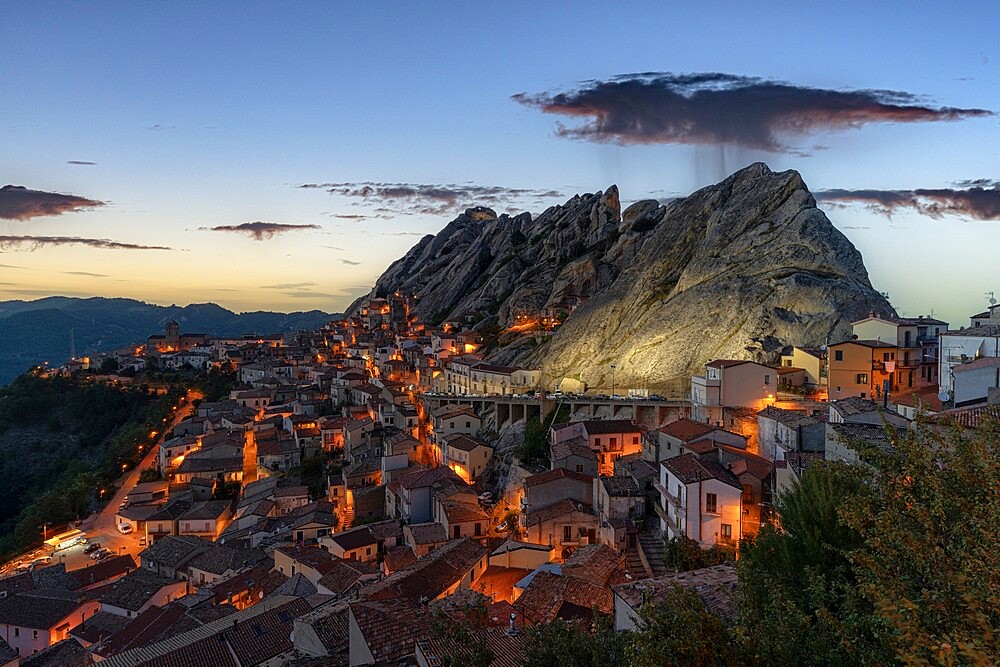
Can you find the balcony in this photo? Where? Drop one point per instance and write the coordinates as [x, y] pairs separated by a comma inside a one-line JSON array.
[[672, 499], [665, 516]]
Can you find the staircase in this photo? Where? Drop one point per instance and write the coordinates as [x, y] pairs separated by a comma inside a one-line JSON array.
[[651, 542], [347, 517], [634, 564]]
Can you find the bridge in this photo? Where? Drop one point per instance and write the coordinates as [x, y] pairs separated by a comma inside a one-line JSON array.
[[510, 409]]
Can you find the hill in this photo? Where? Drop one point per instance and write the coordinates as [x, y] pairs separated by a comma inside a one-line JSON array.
[[38, 331], [735, 270]]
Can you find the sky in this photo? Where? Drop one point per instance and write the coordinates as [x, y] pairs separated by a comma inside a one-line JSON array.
[[162, 148]]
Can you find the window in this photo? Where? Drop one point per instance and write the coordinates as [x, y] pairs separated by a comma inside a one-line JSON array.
[[368, 551], [456, 532], [727, 531], [478, 530], [34, 633], [838, 355], [767, 379], [567, 533], [885, 356], [862, 378], [635, 440], [614, 441], [579, 467], [788, 362], [468, 424], [17, 632], [711, 502], [451, 424], [747, 493], [597, 442]]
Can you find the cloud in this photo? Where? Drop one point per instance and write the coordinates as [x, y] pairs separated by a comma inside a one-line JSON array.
[[86, 274], [419, 198], [726, 109], [11, 266], [36, 242], [308, 294], [82, 163], [979, 201], [288, 286], [19, 203], [45, 292], [260, 231], [333, 247], [350, 262]]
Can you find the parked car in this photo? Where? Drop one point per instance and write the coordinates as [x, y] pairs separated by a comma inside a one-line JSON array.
[[142, 541], [617, 397], [124, 528], [91, 548], [485, 497]]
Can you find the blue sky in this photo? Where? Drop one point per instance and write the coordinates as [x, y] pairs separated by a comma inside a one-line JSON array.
[[209, 114]]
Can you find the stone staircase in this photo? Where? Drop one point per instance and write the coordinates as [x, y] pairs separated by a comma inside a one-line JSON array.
[[634, 564], [651, 542]]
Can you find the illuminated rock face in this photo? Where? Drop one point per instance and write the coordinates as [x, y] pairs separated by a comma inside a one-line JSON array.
[[735, 270]]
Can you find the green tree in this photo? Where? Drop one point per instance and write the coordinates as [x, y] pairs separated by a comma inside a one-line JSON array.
[[575, 644], [678, 630], [798, 597], [460, 636], [929, 558], [681, 554]]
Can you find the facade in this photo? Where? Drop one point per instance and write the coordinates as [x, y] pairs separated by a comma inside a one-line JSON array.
[[700, 499], [731, 383], [860, 368]]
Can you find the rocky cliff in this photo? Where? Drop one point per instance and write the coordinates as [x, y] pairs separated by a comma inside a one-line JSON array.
[[735, 270]]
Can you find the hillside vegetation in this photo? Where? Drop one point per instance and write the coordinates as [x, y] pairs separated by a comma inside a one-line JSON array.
[[61, 441]]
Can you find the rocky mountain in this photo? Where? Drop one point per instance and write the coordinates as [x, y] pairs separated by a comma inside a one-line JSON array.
[[735, 270], [39, 330]]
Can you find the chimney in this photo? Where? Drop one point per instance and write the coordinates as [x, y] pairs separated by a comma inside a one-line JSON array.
[[512, 630]]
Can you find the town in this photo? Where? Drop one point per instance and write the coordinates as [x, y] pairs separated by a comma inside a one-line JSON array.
[[360, 480]]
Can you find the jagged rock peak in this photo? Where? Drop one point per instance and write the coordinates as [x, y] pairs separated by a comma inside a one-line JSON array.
[[735, 269]]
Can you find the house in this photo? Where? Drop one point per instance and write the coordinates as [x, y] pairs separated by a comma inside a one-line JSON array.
[[916, 342], [617, 499], [856, 410], [573, 591], [278, 454], [385, 631], [454, 566], [226, 467], [139, 590], [462, 519], [170, 556], [810, 360], [345, 576], [780, 431], [731, 383], [551, 486], [716, 586], [221, 562], [424, 537], [467, 456], [163, 521], [354, 544], [409, 497], [667, 441], [206, 519], [700, 499], [842, 439], [574, 454], [103, 573], [311, 562], [860, 367], [607, 439], [33, 620], [448, 420], [563, 526], [973, 379]]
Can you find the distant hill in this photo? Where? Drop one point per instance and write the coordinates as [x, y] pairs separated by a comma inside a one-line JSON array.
[[36, 331]]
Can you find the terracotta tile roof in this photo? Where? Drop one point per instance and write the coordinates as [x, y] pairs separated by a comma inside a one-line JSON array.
[[619, 487], [464, 442], [556, 474], [134, 590], [100, 626], [345, 575], [65, 653], [969, 417], [207, 510], [578, 446], [397, 558], [507, 650], [317, 558], [432, 574], [555, 510], [686, 429], [689, 468], [599, 427], [390, 627], [597, 563], [39, 609], [459, 512], [355, 538], [220, 558], [790, 418], [550, 596], [716, 586], [99, 572], [431, 532]]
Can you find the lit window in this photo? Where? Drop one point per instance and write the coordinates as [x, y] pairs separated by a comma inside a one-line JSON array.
[[727, 531], [711, 502]]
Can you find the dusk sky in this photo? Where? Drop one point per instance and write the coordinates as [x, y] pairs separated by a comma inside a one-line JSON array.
[[163, 146]]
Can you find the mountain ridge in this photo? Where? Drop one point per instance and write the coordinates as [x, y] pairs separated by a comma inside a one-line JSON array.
[[39, 330], [737, 269]]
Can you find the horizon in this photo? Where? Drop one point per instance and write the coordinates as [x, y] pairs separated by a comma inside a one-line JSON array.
[[162, 160]]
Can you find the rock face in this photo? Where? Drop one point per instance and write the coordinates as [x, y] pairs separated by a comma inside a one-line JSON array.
[[735, 270]]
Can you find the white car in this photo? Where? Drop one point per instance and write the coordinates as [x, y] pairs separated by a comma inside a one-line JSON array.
[[124, 528]]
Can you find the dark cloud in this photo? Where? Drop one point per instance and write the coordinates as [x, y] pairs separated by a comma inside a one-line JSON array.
[[350, 262], [36, 242], [86, 274], [260, 230], [19, 203], [82, 163], [714, 108], [419, 198], [976, 202], [288, 286]]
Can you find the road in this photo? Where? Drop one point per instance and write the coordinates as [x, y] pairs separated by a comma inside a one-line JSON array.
[[102, 526]]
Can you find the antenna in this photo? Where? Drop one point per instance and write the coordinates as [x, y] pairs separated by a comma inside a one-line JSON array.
[[991, 298]]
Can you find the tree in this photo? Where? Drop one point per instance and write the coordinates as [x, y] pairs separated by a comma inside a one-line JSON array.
[[678, 630], [460, 638], [109, 366], [929, 558], [575, 644], [535, 446], [149, 475], [797, 596], [681, 554]]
